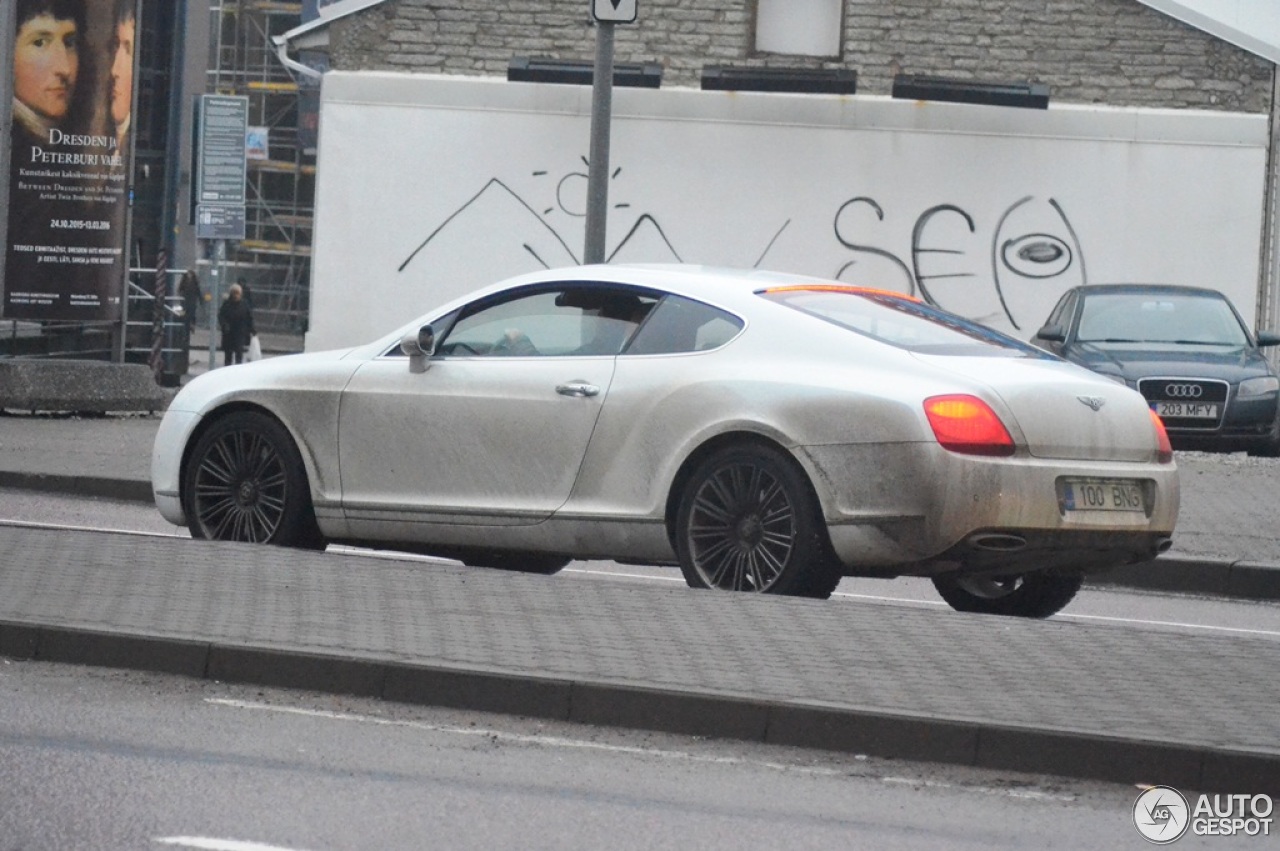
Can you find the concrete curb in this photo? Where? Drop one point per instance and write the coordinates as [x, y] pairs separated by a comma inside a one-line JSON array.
[[127, 490], [1195, 575], [725, 716]]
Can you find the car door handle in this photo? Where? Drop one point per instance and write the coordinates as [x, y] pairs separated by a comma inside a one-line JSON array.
[[577, 388]]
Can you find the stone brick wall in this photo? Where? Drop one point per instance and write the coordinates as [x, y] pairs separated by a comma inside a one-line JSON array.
[[1115, 52]]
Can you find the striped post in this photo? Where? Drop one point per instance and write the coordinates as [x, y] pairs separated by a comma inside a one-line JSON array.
[[161, 292]]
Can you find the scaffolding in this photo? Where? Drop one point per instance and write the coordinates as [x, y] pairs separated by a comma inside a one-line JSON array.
[[274, 258]]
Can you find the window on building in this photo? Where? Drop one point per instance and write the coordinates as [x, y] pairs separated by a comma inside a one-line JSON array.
[[799, 27]]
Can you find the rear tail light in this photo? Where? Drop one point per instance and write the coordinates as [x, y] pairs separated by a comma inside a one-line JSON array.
[[967, 424], [1164, 451]]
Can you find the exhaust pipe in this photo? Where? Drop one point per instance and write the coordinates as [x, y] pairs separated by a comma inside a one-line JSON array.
[[997, 542]]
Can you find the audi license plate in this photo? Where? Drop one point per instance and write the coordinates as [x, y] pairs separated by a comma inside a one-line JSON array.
[[1194, 410], [1102, 495]]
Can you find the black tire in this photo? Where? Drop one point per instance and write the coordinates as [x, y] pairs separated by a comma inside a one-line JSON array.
[[518, 562], [748, 521], [1028, 595], [245, 481]]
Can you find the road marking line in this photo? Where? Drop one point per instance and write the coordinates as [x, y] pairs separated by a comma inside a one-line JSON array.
[[1072, 616], [68, 527], [616, 575], [630, 750], [210, 844], [1242, 630]]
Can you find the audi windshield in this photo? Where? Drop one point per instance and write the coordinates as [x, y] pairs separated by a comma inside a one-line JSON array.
[[1171, 318]]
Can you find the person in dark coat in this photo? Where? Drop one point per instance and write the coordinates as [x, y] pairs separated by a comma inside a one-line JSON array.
[[192, 295], [235, 319]]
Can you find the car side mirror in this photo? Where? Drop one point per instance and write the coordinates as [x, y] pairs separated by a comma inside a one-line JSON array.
[[419, 345], [1052, 334], [1268, 338]]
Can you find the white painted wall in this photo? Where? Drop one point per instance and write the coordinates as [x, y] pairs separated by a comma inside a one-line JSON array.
[[431, 186]]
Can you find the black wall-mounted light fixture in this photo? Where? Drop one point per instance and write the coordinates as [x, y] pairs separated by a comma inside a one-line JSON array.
[[917, 87], [526, 69], [838, 81]]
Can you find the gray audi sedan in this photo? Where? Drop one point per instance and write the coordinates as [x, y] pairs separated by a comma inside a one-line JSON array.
[[1186, 350]]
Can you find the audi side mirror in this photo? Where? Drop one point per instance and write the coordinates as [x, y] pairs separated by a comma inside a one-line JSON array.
[[1051, 334], [419, 345], [1268, 338]]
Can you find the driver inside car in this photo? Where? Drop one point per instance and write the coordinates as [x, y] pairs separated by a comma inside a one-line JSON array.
[[515, 343]]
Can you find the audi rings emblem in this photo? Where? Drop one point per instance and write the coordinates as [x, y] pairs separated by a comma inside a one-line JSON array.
[[1183, 391]]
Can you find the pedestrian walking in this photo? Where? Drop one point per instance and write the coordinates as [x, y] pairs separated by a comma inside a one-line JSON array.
[[235, 319]]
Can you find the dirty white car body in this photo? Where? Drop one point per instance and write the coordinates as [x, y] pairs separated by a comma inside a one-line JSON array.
[[746, 431]]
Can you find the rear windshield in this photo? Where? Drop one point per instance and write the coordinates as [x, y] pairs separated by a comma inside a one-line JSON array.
[[903, 322]]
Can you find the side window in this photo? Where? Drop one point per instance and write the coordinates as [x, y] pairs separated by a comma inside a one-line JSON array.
[[567, 321], [1061, 314], [682, 325]]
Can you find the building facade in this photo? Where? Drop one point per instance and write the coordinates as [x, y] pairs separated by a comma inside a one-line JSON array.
[[1113, 52]]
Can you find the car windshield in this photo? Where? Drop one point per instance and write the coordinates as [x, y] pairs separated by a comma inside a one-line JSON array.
[[901, 321], [1188, 319]]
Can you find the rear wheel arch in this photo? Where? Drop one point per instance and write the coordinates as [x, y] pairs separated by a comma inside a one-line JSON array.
[[696, 457], [710, 447], [817, 571]]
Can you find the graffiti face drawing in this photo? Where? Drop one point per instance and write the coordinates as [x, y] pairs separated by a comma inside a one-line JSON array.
[[1035, 257]]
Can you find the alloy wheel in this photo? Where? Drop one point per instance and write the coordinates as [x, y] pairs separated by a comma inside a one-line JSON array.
[[240, 488], [742, 528]]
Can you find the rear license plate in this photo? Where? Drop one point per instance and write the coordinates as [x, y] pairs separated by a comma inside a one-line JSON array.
[[1102, 495], [1192, 410]]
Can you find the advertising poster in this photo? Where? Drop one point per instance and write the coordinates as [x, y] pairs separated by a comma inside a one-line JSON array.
[[72, 83]]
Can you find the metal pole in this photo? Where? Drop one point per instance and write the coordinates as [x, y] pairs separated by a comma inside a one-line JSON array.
[[215, 291], [598, 170], [1269, 290]]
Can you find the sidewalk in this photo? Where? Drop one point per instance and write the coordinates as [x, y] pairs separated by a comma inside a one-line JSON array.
[[1056, 697], [272, 342]]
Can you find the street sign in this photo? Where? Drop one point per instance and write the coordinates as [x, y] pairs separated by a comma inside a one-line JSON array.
[[220, 161], [614, 11], [220, 221]]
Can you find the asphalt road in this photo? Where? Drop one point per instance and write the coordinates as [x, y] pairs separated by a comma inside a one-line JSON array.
[[94, 760]]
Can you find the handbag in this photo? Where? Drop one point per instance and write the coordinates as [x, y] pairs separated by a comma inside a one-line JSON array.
[[255, 349]]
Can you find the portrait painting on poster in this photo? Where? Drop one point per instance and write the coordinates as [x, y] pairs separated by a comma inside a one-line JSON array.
[[72, 84]]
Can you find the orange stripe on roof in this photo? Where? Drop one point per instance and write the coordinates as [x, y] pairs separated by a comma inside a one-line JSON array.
[[840, 288]]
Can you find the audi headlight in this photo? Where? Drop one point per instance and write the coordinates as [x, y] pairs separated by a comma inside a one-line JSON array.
[[1258, 386]]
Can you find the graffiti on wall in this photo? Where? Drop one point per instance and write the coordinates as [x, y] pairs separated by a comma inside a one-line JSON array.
[[1032, 255], [1029, 257]]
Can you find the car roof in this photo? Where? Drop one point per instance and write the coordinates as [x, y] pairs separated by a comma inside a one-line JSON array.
[[677, 277], [724, 287], [1149, 289]]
